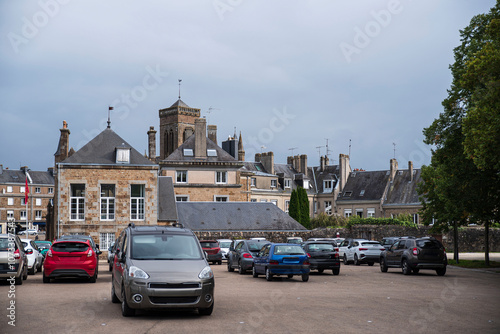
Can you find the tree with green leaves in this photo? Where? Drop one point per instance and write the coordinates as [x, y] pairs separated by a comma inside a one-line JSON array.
[[462, 183], [305, 219], [293, 207]]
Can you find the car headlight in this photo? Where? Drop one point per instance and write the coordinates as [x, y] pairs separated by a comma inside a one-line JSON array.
[[206, 273], [137, 272]]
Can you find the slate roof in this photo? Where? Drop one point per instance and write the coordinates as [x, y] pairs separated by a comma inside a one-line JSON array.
[[101, 151], [167, 209], [179, 103], [256, 167], [373, 183], [178, 154], [18, 176], [402, 191], [235, 216], [330, 172]]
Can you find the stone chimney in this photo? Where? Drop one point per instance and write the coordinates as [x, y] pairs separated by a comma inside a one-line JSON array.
[[303, 164], [62, 149], [241, 151], [1, 169], [410, 170], [200, 139], [344, 170], [321, 163], [327, 161], [212, 133], [267, 160], [394, 168], [257, 157], [289, 160], [152, 143], [296, 164]]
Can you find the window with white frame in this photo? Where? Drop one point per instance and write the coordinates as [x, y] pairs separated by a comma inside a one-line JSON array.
[[38, 215], [51, 190], [77, 201], [105, 240], [10, 214], [287, 206], [23, 201], [263, 200], [274, 183], [347, 213], [181, 176], [22, 189], [38, 190], [327, 186], [328, 207], [274, 201], [370, 212], [137, 198], [38, 201], [221, 177], [253, 200], [288, 183], [221, 198], [10, 201], [9, 189], [181, 198], [107, 201], [253, 182], [23, 215]]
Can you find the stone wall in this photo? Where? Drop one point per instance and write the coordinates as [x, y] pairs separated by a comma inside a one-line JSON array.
[[470, 239]]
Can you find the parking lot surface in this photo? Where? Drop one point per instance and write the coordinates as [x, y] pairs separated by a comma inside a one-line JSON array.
[[359, 300]]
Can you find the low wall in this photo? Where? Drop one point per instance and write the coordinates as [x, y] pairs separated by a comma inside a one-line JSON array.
[[471, 239]]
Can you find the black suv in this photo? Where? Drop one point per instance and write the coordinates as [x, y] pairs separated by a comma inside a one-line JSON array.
[[323, 255], [413, 254]]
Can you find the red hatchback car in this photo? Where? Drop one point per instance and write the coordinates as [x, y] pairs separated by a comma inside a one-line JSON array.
[[212, 248], [70, 258]]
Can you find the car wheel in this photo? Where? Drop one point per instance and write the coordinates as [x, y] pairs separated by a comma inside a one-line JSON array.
[[114, 297], [416, 270], [32, 270], [126, 310], [269, 276], [206, 311], [25, 274], [345, 260], [336, 271], [93, 279], [383, 266], [320, 271], [18, 280], [254, 272], [45, 279], [219, 263], [290, 276], [110, 266], [241, 271], [370, 264], [441, 271], [229, 267], [305, 277], [356, 261], [405, 267]]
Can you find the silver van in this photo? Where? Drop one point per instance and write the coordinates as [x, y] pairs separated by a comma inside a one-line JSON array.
[[159, 267]]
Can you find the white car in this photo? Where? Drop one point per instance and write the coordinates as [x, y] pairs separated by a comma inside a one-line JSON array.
[[364, 251], [28, 232], [224, 245], [35, 258]]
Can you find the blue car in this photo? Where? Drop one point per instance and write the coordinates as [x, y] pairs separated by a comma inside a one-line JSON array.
[[281, 259]]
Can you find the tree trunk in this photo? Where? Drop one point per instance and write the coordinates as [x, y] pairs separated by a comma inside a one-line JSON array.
[[487, 243], [455, 242]]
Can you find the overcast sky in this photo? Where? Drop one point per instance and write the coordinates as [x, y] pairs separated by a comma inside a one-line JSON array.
[[287, 74]]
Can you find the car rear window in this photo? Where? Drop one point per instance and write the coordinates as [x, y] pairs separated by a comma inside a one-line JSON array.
[[70, 247], [371, 243], [4, 244], [209, 244], [288, 250], [165, 247], [428, 244], [225, 244], [256, 246], [320, 247]]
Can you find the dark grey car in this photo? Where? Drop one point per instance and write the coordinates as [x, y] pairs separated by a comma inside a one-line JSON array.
[[161, 267], [241, 256]]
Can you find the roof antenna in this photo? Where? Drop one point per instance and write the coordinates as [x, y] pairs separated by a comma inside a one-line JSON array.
[[394, 150], [109, 120], [180, 80], [349, 148]]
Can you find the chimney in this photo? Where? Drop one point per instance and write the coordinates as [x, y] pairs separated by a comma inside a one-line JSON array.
[[410, 170], [62, 149], [394, 168], [212, 133], [344, 170], [321, 163], [327, 160], [200, 139], [289, 160], [268, 162], [152, 143], [51, 171], [303, 164], [241, 151], [1, 169], [296, 163]]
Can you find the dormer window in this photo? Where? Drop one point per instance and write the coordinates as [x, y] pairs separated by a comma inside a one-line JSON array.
[[188, 152], [211, 153], [362, 192], [123, 154], [288, 183], [327, 186], [274, 183]]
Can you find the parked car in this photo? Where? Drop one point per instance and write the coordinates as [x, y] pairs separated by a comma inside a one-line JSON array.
[[413, 254], [212, 248], [241, 257], [323, 255], [111, 255], [13, 260], [95, 246], [28, 232], [43, 246], [333, 241], [281, 259], [161, 267], [224, 245], [387, 242], [35, 258], [294, 240], [364, 251], [71, 258], [345, 248]]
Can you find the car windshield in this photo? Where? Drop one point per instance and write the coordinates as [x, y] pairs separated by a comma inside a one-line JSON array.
[[225, 244], [209, 244], [288, 250], [25, 244], [428, 244], [165, 247], [255, 246], [320, 247], [70, 247]]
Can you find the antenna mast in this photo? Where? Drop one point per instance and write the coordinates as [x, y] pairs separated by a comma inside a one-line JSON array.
[[180, 80], [292, 148]]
